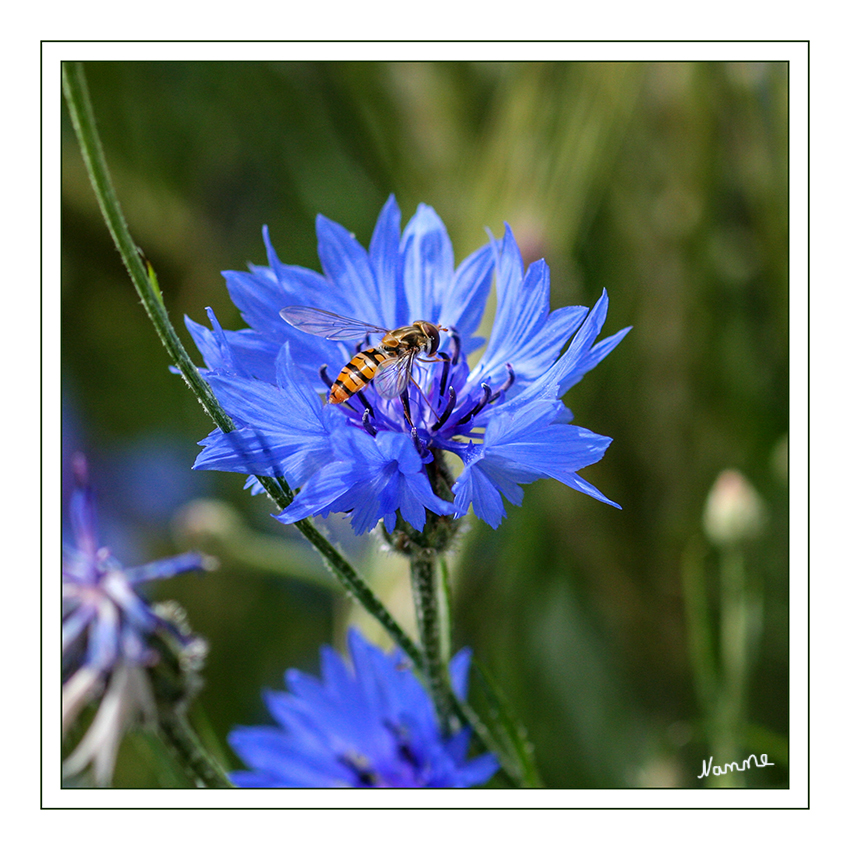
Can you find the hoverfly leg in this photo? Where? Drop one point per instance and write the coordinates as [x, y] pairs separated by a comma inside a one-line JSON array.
[[422, 394], [405, 404]]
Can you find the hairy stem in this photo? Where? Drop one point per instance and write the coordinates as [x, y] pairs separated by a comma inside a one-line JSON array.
[[433, 625], [192, 756]]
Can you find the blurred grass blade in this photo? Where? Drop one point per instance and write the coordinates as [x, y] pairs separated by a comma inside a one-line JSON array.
[[512, 735]]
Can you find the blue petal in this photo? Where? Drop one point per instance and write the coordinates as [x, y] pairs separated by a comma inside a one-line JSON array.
[[478, 771], [262, 406], [257, 297], [292, 429], [521, 444], [371, 723], [378, 477], [464, 304], [246, 352], [269, 752], [336, 674], [328, 485], [524, 333], [346, 263], [375, 672], [302, 719], [474, 488], [244, 450], [428, 262], [572, 361], [599, 352], [83, 513], [102, 650], [166, 567], [419, 493], [459, 671], [578, 483], [384, 257]]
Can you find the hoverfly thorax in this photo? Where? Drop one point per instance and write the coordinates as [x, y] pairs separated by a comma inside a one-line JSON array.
[[420, 337]]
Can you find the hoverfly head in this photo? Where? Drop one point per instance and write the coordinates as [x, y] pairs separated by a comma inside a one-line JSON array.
[[433, 334]]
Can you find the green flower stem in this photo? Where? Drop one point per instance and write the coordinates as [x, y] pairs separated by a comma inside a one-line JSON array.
[[187, 749], [82, 116], [433, 630]]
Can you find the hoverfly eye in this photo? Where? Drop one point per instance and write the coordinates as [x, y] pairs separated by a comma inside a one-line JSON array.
[[434, 336]]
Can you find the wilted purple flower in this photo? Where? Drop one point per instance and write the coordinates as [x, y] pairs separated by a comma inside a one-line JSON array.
[[111, 637]]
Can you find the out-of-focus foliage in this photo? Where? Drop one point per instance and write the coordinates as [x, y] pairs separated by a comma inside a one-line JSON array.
[[664, 183]]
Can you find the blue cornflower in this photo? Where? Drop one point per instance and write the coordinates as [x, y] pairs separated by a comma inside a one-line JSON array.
[[111, 638], [370, 724], [502, 417]]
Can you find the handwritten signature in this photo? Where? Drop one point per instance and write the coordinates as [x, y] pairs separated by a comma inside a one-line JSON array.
[[717, 770]]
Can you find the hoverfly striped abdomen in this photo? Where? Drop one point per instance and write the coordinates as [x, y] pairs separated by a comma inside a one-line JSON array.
[[356, 374]]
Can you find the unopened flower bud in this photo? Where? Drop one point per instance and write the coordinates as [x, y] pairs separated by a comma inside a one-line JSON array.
[[734, 511]]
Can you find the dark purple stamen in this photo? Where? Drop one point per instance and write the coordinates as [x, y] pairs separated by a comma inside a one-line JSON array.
[[323, 374], [478, 407], [454, 336], [507, 385], [446, 368], [367, 425], [417, 443], [450, 406], [362, 399], [402, 738]]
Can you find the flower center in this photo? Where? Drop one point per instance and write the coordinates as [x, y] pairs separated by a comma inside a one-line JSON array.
[[438, 405]]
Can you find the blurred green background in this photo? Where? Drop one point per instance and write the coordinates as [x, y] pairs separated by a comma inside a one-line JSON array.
[[630, 644]]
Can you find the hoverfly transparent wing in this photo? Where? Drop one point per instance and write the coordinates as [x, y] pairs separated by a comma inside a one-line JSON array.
[[393, 375], [311, 320]]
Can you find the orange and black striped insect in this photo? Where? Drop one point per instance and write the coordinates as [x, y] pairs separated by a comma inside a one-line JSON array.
[[388, 365]]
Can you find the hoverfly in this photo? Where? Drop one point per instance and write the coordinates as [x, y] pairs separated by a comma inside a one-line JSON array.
[[388, 365]]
